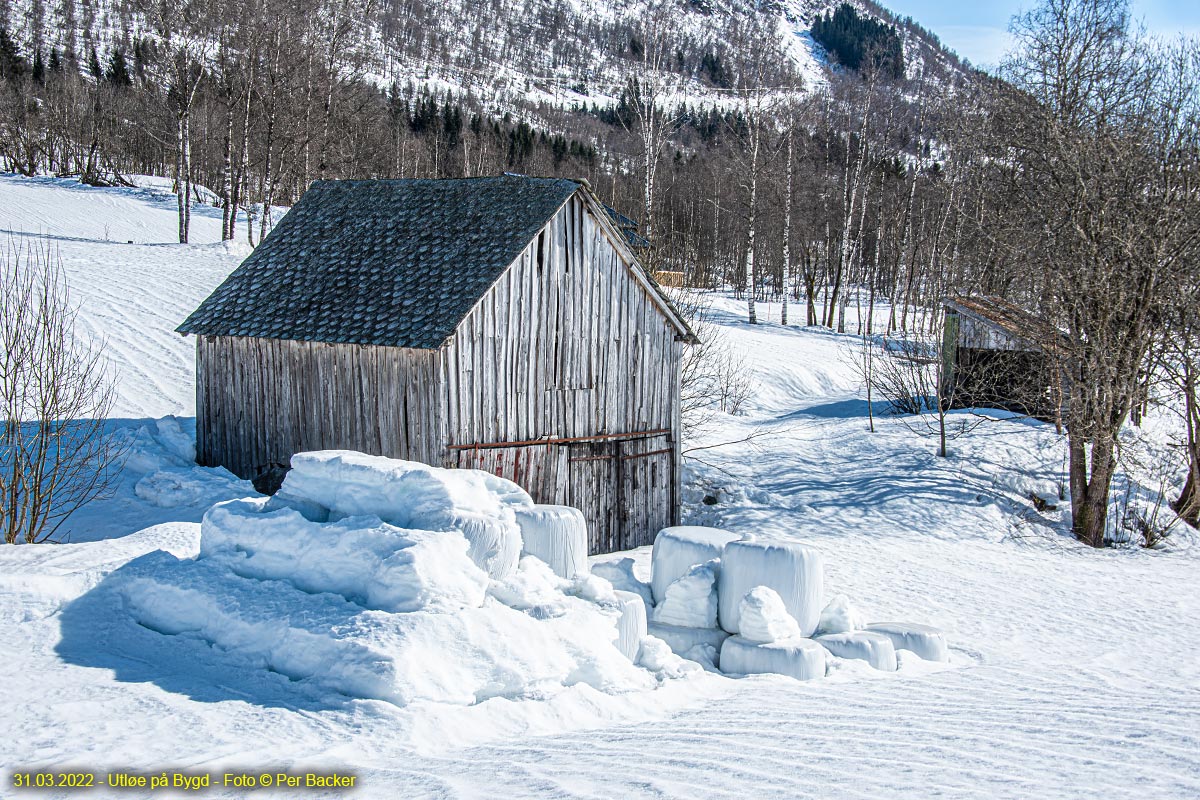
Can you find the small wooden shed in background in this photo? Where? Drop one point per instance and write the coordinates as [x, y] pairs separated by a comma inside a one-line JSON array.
[[493, 323], [998, 355]]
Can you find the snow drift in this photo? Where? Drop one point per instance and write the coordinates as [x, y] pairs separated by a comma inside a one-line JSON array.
[[388, 580]]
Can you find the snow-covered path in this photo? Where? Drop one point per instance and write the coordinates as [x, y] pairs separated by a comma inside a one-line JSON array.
[[1074, 673]]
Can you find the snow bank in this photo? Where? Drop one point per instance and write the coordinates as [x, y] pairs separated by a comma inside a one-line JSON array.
[[363, 559], [795, 571], [678, 549], [762, 617], [556, 535], [691, 601], [416, 496], [802, 659], [461, 658], [874, 648], [839, 616], [927, 642]]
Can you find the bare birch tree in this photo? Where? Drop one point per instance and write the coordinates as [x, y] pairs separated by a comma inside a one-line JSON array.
[[55, 452]]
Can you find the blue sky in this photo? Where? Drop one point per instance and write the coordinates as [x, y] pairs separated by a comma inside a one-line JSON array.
[[978, 29]]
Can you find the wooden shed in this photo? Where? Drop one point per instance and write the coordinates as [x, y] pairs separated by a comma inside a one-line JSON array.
[[498, 323], [998, 355]]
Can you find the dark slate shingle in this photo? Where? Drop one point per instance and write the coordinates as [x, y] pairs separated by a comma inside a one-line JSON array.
[[393, 262]]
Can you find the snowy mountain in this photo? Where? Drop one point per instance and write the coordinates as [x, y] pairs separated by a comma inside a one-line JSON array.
[[508, 55]]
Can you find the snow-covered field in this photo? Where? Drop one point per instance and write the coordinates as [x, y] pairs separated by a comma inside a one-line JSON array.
[[1073, 673]]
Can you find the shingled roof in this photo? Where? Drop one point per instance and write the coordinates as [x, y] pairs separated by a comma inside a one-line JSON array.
[[388, 262]]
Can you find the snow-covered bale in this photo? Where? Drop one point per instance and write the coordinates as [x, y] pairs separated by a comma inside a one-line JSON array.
[[631, 627], [417, 496], [556, 535], [802, 659], [657, 657], [691, 601], [762, 617], [622, 576], [874, 648], [795, 571], [685, 641], [323, 640], [839, 616], [366, 561], [678, 549], [927, 642]]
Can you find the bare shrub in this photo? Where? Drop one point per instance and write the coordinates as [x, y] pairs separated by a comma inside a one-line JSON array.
[[55, 452], [712, 378], [907, 375]]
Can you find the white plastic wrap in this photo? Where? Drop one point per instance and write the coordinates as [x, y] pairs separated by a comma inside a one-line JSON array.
[[677, 550], [927, 642], [691, 601], [762, 617], [631, 627], [413, 495], [795, 571], [874, 648], [683, 640], [556, 535], [839, 616], [802, 659]]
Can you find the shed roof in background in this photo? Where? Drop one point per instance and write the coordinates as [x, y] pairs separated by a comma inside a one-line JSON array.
[[1010, 319], [384, 262]]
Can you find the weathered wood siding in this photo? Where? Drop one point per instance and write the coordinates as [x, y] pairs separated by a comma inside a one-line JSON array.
[[566, 345], [261, 400]]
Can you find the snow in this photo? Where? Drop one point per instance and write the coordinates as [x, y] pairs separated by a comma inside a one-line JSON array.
[[927, 642], [794, 570], [762, 617], [684, 640], [678, 549], [839, 616], [691, 601], [1037, 699], [333, 645], [413, 495], [363, 559], [874, 648], [799, 658], [556, 535]]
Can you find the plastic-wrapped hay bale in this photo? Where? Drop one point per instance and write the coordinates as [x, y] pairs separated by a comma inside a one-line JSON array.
[[678, 549], [631, 627], [874, 648], [556, 535], [691, 601], [763, 617], [795, 571], [802, 659], [927, 642]]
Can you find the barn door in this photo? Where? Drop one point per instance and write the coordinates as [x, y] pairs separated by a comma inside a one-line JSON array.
[[591, 489], [646, 480], [623, 486]]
